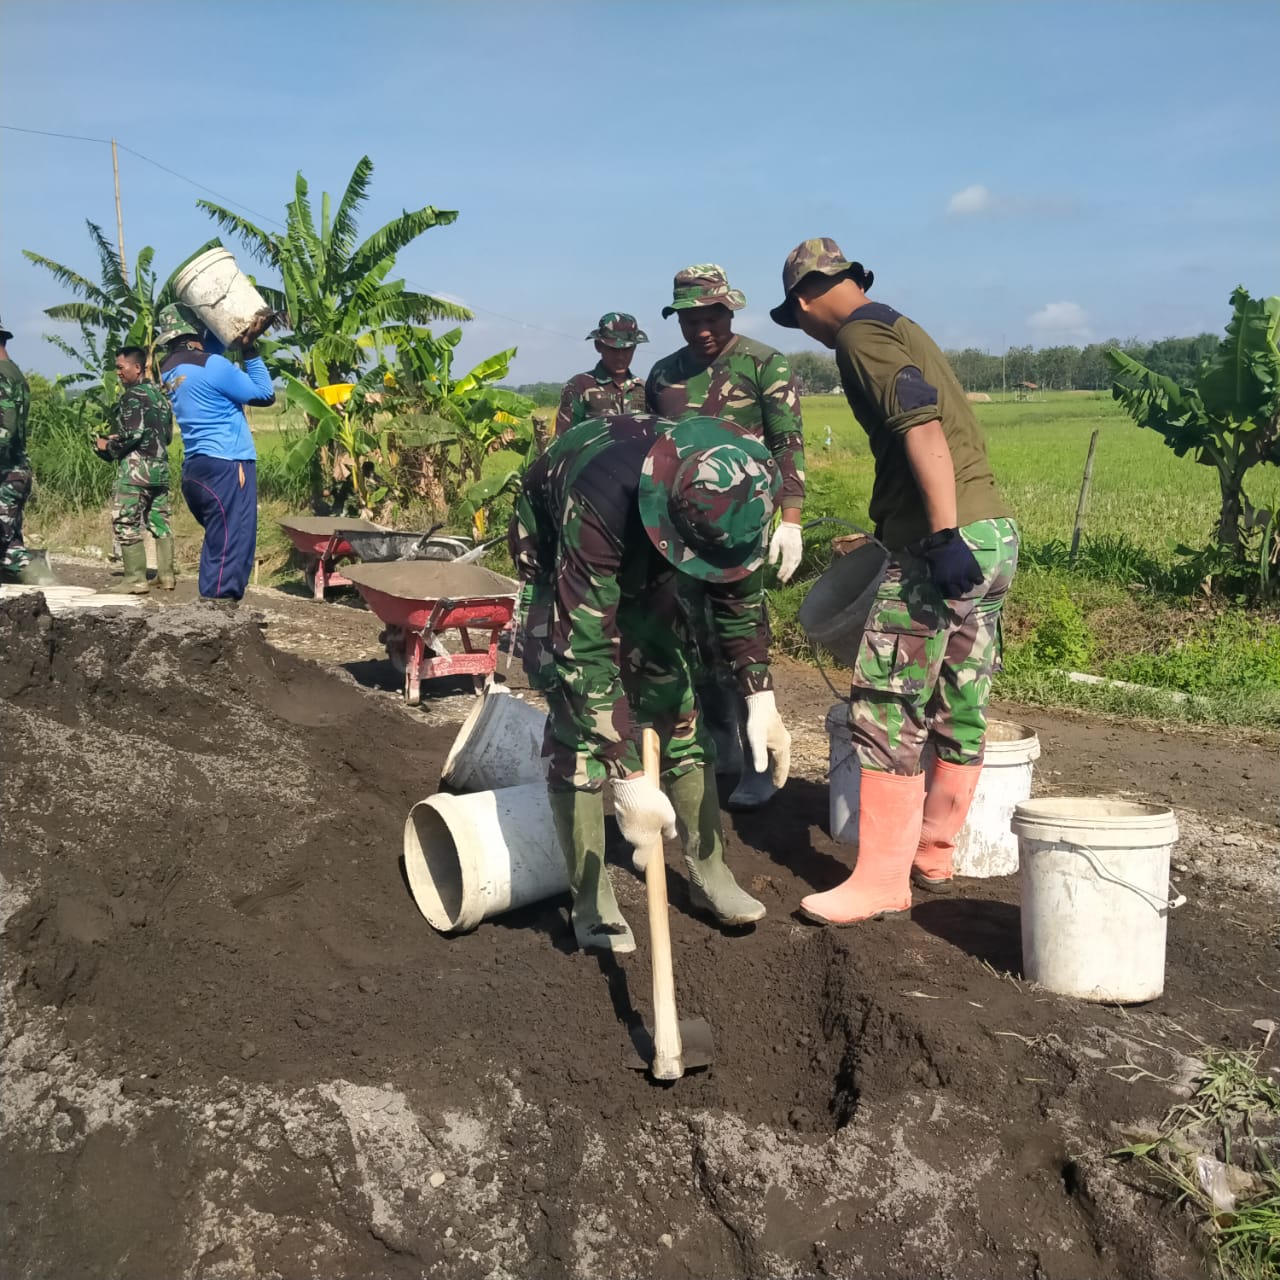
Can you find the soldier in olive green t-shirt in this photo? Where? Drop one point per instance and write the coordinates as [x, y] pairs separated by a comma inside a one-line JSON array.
[[932, 640]]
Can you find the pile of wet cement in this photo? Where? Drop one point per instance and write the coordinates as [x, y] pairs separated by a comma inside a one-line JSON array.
[[231, 1029]]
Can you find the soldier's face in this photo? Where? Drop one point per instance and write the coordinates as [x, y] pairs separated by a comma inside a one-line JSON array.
[[127, 371], [707, 330], [615, 359]]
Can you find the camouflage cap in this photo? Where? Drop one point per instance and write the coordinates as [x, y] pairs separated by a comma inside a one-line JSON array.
[[707, 495], [618, 329], [822, 255], [171, 324], [703, 285]]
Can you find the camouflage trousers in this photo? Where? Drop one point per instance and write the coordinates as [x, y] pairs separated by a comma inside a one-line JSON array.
[[137, 506], [15, 488], [656, 677], [924, 668]]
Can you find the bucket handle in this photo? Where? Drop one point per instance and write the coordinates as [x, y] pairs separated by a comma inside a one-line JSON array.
[[1160, 904]]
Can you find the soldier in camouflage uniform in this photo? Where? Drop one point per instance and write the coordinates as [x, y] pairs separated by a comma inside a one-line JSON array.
[[726, 375], [609, 387], [932, 640], [607, 521], [139, 442], [16, 562]]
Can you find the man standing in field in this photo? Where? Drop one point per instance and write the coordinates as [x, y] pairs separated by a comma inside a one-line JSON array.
[[16, 562], [219, 468], [143, 425], [610, 387], [932, 641], [608, 521], [721, 374]]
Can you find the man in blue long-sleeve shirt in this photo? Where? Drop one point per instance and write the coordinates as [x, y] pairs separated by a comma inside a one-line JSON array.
[[219, 468]]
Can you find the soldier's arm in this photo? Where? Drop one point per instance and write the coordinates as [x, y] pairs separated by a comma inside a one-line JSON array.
[[585, 639], [130, 427], [783, 430], [568, 402], [10, 414], [535, 568], [740, 621]]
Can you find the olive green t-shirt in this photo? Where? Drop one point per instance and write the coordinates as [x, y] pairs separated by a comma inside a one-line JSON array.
[[896, 378]]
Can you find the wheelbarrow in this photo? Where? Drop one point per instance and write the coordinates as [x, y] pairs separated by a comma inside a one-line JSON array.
[[418, 601], [322, 543], [376, 545]]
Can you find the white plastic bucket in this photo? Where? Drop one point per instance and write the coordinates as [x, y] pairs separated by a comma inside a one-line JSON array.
[[499, 744], [468, 858], [986, 845], [220, 294], [835, 609], [843, 777], [1095, 896]]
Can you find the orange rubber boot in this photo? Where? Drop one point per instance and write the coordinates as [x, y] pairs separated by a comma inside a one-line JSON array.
[[890, 808], [946, 806]]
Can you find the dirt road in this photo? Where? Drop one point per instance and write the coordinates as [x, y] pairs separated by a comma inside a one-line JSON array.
[[232, 1047]]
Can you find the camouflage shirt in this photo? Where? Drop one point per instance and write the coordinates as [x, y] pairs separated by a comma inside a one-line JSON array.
[[748, 383], [580, 547], [15, 408], [142, 427], [594, 394]]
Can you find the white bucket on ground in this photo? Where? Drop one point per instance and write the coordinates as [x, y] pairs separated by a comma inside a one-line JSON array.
[[499, 744], [224, 299], [468, 858], [1095, 896], [986, 846]]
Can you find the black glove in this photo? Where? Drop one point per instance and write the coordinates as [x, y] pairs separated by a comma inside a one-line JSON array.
[[952, 566]]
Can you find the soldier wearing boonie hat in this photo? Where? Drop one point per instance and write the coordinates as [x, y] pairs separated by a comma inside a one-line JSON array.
[[932, 639], [730, 376], [607, 522], [610, 387]]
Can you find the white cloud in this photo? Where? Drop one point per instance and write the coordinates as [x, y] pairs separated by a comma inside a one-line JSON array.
[[974, 199], [1066, 321]]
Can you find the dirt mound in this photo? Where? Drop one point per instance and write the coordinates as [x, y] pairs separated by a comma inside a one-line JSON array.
[[234, 1048]]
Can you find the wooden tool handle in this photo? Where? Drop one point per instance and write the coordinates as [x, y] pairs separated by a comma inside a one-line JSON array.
[[668, 1053]]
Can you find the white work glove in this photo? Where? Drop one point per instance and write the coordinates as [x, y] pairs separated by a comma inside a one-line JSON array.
[[785, 549], [768, 737], [644, 813]]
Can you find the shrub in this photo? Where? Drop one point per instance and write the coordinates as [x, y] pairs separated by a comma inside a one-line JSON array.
[[1061, 637], [1233, 652]]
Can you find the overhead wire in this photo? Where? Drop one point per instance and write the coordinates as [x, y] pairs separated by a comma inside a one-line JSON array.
[[265, 217]]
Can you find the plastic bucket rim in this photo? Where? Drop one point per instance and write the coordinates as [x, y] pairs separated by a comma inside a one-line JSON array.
[[200, 264], [419, 864]]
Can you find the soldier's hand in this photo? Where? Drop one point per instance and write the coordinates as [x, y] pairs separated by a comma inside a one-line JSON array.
[[952, 566], [644, 813], [767, 736], [785, 549]]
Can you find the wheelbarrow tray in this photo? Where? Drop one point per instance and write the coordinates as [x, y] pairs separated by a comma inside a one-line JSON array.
[[322, 543], [377, 547], [420, 599]]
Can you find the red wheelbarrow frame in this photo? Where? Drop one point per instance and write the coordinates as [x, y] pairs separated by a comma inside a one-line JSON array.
[[322, 551], [422, 621]]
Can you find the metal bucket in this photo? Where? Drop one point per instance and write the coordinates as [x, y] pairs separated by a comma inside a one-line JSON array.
[[834, 613]]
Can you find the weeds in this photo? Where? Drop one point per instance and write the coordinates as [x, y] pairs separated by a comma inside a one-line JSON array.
[[1236, 1198]]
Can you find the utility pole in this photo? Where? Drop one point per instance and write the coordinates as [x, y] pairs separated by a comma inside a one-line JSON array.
[[115, 168], [1004, 351]]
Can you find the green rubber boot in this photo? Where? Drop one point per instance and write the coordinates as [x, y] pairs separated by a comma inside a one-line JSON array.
[[711, 883], [134, 557], [597, 919], [166, 577]]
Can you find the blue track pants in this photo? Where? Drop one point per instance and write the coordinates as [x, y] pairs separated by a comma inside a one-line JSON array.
[[223, 496]]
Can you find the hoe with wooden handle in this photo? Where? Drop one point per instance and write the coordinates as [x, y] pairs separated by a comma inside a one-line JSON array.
[[673, 1047]]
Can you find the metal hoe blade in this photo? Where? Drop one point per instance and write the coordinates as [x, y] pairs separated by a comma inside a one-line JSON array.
[[696, 1042]]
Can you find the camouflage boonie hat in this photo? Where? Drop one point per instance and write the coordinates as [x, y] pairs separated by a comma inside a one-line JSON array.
[[171, 324], [618, 329], [5, 334], [822, 255], [703, 285], [707, 494]]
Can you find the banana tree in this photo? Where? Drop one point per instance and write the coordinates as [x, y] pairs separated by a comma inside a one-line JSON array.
[[1229, 419], [333, 288]]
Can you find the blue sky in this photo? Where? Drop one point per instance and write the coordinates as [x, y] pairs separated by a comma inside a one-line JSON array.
[[1013, 173]]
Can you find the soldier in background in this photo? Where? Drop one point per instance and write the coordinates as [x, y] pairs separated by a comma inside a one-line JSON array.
[[16, 562], [143, 428], [721, 374], [932, 639], [610, 386], [608, 520]]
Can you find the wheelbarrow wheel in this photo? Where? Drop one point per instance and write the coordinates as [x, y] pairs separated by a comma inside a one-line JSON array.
[[309, 578], [394, 639]]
